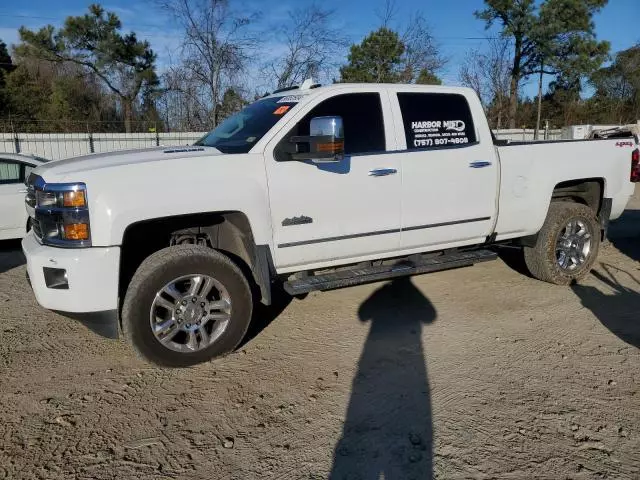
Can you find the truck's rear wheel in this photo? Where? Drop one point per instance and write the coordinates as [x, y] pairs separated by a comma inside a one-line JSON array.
[[567, 246], [185, 305]]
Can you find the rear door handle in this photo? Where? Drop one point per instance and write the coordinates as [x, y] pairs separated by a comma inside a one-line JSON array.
[[381, 172], [480, 164]]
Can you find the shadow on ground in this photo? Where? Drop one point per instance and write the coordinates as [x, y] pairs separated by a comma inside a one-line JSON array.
[[624, 234], [388, 430], [10, 255], [104, 324], [263, 315], [513, 257], [619, 311]]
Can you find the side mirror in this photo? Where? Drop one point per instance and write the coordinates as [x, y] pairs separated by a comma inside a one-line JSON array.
[[325, 142]]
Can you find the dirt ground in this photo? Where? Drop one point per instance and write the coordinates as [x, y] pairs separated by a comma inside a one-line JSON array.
[[474, 373]]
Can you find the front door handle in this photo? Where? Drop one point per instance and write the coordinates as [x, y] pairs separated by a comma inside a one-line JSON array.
[[381, 172], [23, 191], [480, 164]]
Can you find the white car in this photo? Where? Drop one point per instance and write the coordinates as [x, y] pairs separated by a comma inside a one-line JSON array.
[[14, 170], [310, 189]]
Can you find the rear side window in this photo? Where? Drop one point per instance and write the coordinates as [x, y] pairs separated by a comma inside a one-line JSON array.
[[436, 120], [362, 120]]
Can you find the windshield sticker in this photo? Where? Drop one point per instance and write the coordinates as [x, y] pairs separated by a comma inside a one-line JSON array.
[[290, 99], [251, 139], [281, 110], [438, 133]]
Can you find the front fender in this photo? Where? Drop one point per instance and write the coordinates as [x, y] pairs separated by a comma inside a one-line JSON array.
[[129, 194]]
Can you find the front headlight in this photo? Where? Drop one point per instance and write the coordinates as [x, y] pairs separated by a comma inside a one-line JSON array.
[[73, 198], [60, 213]]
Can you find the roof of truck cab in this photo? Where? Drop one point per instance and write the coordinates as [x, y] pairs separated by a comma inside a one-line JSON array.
[[367, 86]]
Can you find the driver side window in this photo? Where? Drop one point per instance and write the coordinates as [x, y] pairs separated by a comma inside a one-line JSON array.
[[362, 120]]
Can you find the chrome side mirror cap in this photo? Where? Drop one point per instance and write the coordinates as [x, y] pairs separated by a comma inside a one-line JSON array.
[[326, 141]]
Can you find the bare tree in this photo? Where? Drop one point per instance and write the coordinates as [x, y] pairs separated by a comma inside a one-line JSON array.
[[472, 76], [387, 13], [488, 73], [421, 57], [312, 46], [421, 52], [184, 104], [216, 48]]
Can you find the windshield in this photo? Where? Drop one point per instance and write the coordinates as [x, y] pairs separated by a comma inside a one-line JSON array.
[[240, 132]]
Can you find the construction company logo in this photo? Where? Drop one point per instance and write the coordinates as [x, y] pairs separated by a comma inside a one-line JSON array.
[[433, 126], [454, 125], [438, 133], [628, 143]]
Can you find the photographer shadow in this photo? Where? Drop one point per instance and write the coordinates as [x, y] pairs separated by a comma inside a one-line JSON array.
[[388, 430]]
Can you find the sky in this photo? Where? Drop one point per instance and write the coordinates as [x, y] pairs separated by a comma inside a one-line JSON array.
[[453, 24]]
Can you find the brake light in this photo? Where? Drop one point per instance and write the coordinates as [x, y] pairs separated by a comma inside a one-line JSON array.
[[635, 166]]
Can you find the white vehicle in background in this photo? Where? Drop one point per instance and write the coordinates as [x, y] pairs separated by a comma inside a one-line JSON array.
[[312, 188], [585, 132], [621, 131], [14, 169]]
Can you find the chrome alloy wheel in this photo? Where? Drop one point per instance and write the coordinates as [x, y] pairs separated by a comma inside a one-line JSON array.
[[573, 245], [190, 313]]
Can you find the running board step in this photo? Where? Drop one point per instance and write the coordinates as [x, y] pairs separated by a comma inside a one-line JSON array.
[[414, 265]]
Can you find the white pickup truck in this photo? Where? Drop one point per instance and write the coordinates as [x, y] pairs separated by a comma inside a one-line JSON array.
[[311, 188]]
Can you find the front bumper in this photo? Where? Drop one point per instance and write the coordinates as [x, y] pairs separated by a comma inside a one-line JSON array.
[[91, 276]]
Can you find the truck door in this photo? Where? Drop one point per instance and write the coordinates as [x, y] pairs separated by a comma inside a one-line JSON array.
[[329, 213], [449, 170]]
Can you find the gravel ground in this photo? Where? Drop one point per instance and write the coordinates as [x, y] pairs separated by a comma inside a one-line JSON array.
[[473, 373]]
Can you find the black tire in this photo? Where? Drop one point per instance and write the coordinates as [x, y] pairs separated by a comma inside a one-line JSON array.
[[161, 268], [541, 259]]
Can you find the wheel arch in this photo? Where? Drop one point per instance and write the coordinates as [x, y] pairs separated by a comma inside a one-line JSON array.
[[226, 231], [586, 191]]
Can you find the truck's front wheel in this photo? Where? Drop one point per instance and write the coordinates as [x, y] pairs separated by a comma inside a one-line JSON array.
[[567, 245], [185, 305]]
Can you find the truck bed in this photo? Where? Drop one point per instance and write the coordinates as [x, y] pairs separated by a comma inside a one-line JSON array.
[[529, 171]]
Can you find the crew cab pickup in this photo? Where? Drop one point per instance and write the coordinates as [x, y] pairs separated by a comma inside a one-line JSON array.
[[311, 188]]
